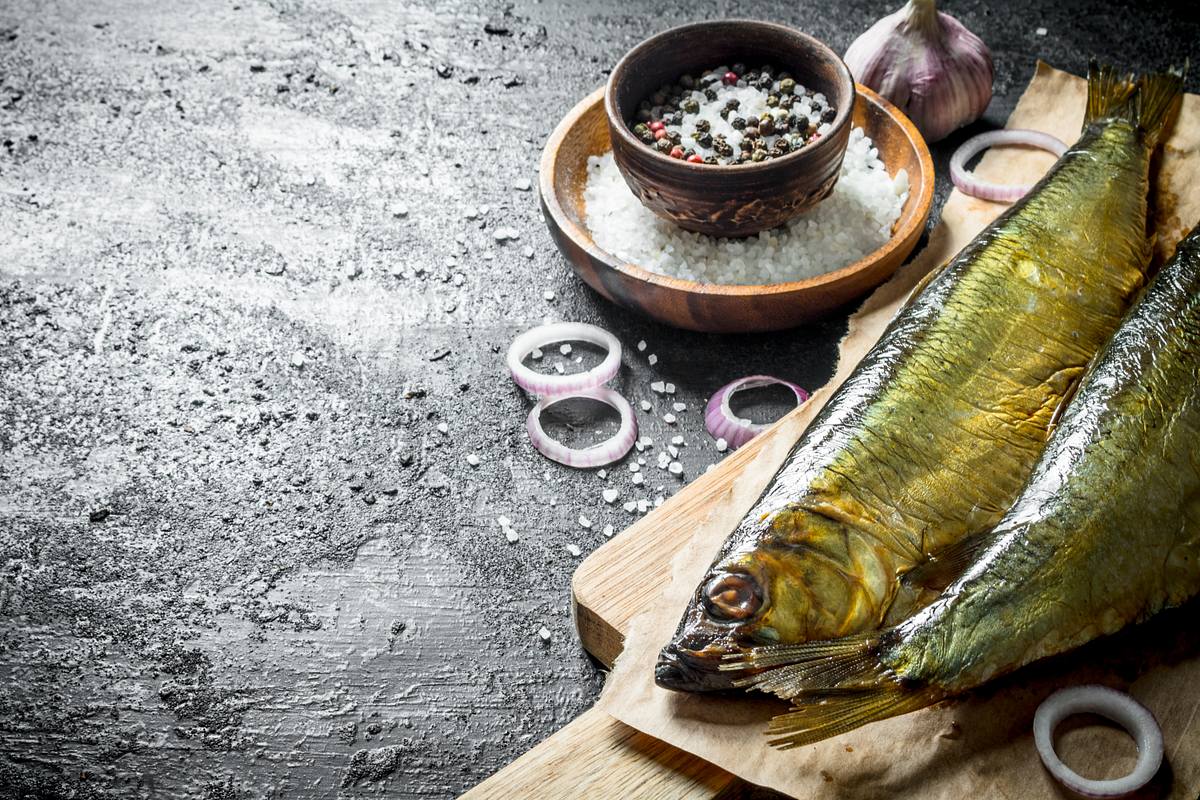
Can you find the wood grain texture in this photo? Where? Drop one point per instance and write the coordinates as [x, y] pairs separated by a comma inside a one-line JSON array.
[[597, 757], [727, 200], [718, 307]]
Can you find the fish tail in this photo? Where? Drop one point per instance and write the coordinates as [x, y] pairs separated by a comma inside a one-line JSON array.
[[834, 686], [1110, 93], [1149, 102], [1158, 100]]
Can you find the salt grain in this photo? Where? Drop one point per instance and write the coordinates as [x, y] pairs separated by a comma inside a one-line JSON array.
[[608, 530], [722, 445], [584, 522], [544, 633], [641, 345], [473, 460], [645, 405], [638, 478], [547, 295], [676, 468], [652, 359], [443, 427], [573, 549], [610, 495], [564, 349], [669, 418], [680, 406], [854, 220], [602, 474]]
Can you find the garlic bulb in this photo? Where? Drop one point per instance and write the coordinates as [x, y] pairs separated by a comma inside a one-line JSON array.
[[928, 64]]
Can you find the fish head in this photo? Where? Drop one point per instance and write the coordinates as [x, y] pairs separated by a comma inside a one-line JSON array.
[[788, 587]]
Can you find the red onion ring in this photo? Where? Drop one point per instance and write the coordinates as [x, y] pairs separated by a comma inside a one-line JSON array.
[[720, 420], [597, 455], [1119, 707], [545, 335], [987, 190]]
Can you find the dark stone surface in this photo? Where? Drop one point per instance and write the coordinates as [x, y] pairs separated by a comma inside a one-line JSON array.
[[232, 571]]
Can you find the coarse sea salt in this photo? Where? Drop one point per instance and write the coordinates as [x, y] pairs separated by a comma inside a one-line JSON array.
[[854, 220]]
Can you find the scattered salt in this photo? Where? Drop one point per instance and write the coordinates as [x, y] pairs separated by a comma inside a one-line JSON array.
[[297, 359], [658, 386], [510, 535], [629, 506], [722, 445], [641, 345], [602, 474], [676, 468], [610, 495], [680, 406], [537, 353], [522, 184], [669, 388], [854, 220], [547, 295], [1041, 31], [584, 522], [645, 405], [443, 427], [608, 530], [559, 368], [573, 549], [473, 459], [652, 359], [677, 440], [638, 478], [527, 251], [544, 633], [669, 418], [564, 349]]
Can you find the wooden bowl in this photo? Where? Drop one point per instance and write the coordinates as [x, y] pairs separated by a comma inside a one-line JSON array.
[[728, 200], [719, 307]]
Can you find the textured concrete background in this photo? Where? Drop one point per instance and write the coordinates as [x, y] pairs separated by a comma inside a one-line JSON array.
[[247, 266]]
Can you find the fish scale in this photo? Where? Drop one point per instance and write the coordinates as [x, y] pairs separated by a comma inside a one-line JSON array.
[[933, 434]]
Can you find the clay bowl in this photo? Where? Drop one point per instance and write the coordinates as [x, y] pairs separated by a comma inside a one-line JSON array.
[[728, 200], [718, 307]]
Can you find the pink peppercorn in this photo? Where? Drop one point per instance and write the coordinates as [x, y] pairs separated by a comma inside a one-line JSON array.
[[676, 152], [729, 78], [657, 125], [696, 158], [660, 133]]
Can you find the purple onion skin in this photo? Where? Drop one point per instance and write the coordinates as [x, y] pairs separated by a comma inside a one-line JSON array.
[[928, 64]]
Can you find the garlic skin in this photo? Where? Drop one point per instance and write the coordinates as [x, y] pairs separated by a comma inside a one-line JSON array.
[[928, 64]]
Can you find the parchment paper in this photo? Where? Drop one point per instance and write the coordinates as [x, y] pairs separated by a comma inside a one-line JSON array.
[[979, 745]]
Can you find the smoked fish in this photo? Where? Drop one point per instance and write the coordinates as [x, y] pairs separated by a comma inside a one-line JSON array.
[[935, 432], [1105, 534]]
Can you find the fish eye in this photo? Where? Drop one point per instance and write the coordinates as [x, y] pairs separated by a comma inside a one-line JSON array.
[[732, 596]]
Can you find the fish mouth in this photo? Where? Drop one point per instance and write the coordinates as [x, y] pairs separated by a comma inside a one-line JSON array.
[[692, 671]]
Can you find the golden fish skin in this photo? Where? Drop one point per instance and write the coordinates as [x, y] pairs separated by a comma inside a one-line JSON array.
[[1105, 533], [935, 431]]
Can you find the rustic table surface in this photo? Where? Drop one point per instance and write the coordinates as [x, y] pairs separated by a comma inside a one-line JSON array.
[[247, 268]]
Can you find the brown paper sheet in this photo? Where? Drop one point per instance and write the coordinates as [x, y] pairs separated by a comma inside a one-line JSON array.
[[979, 745]]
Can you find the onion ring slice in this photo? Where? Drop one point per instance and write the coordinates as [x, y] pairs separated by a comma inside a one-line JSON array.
[[1119, 707], [987, 190], [722, 423], [545, 335], [606, 452]]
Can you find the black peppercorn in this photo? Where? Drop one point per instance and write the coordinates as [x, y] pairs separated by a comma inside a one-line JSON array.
[[799, 123], [746, 145], [782, 145], [766, 127], [674, 136], [751, 122], [723, 148], [663, 145], [738, 123], [732, 103], [703, 125], [710, 95], [690, 105], [765, 82], [675, 118], [687, 82], [772, 100], [750, 134], [786, 101], [659, 98], [725, 112], [705, 139], [828, 115], [711, 160], [739, 69], [787, 86], [758, 155]]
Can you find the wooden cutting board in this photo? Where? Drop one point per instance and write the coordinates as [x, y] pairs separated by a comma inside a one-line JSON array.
[[595, 756]]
